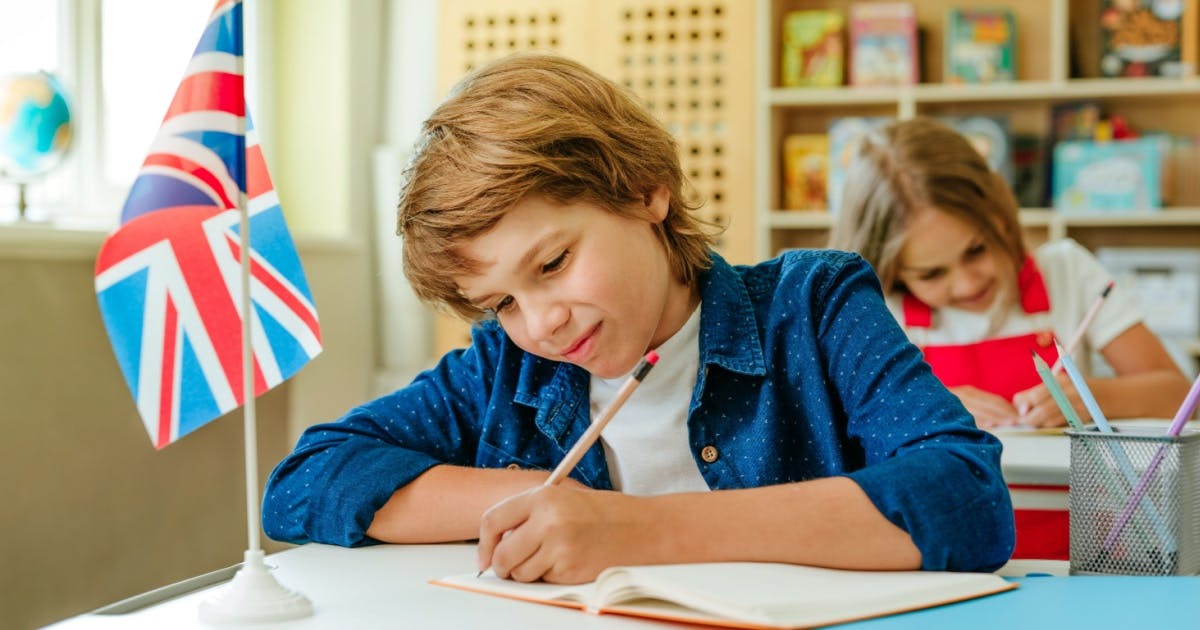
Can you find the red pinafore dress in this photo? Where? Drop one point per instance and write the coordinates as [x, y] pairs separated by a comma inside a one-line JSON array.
[[1003, 367]]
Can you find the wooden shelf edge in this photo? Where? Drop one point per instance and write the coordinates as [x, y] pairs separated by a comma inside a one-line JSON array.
[[1070, 90], [1030, 217]]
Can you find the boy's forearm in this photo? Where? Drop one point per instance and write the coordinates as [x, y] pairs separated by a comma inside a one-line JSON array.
[[445, 503], [825, 522]]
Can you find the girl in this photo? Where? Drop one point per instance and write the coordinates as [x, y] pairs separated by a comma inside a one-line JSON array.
[[941, 231]]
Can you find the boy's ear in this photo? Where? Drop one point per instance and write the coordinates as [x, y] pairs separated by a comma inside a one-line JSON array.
[[658, 201]]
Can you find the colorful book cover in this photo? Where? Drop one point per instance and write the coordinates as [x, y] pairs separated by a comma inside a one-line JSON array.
[[844, 136], [980, 46], [812, 53], [1143, 37], [1029, 170], [883, 44], [1120, 176], [990, 137], [805, 171]]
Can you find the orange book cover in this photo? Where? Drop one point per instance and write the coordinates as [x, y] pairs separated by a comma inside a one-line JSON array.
[[805, 171]]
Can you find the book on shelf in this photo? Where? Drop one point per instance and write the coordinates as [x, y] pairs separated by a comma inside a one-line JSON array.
[[1120, 176], [746, 594], [844, 136], [1029, 170], [989, 134], [805, 171], [812, 51], [1072, 120], [1148, 38], [883, 44], [981, 46]]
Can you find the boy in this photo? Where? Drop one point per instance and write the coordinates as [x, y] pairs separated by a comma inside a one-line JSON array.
[[787, 420]]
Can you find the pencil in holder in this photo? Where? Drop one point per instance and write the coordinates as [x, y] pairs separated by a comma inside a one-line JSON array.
[[1134, 502]]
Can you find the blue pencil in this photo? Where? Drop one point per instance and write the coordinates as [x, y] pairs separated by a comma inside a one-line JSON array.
[[1085, 393]]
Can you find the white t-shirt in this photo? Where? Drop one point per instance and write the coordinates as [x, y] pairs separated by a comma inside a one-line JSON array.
[[1073, 279], [646, 443]]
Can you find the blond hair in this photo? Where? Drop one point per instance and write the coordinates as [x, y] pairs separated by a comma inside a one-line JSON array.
[[533, 124], [913, 165]]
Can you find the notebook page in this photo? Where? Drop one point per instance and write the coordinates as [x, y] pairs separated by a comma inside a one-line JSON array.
[[785, 594]]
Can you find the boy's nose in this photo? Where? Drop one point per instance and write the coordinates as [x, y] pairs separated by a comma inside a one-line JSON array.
[[546, 320]]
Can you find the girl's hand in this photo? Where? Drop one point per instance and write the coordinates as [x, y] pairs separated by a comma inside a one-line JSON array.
[[1037, 407], [989, 409], [564, 534]]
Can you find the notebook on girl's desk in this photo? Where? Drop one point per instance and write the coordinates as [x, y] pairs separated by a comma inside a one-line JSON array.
[[746, 594]]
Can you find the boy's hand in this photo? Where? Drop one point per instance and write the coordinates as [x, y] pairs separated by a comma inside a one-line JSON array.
[[1038, 409], [565, 534], [989, 409]]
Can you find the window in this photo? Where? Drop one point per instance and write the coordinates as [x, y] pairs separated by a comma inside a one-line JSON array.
[[121, 61]]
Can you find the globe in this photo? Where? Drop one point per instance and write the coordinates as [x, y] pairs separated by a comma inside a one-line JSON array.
[[35, 125]]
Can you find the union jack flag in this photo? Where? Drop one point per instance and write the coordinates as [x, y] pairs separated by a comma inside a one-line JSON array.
[[168, 281]]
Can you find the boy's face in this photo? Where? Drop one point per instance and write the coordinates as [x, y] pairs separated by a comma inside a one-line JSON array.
[[946, 262], [577, 283]]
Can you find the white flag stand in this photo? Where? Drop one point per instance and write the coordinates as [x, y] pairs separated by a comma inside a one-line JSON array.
[[254, 595]]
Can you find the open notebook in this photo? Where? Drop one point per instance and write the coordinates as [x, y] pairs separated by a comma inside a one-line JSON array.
[[746, 594]]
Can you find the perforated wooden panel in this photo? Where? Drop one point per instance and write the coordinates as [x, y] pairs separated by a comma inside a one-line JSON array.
[[677, 57], [691, 62]]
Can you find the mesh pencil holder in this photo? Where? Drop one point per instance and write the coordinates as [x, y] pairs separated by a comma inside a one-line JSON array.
[[1135, 502]]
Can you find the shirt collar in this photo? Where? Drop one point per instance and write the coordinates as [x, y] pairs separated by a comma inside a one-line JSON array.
[[728, 325]]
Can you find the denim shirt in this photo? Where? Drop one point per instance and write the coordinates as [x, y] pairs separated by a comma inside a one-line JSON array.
[[803, 374]]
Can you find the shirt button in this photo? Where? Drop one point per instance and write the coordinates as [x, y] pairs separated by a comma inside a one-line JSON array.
[[709, 454], [513, 466]]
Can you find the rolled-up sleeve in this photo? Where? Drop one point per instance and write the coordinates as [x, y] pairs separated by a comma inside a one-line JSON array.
[[928, 469], [340, 473]]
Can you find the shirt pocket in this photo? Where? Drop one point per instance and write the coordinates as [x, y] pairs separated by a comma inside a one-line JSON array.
[[492, 456]]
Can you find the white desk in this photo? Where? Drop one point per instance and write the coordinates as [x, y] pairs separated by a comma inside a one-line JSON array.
[[386, 587], [372, 587]]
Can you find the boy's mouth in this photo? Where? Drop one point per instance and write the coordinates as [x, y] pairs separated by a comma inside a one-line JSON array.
[[582, 347]]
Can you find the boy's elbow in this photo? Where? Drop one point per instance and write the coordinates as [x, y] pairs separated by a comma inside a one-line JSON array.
[[281, 520], [992, 536]]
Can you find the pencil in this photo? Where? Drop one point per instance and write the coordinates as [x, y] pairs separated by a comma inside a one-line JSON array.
[[589, 437], [1139, 491], [1119, 455], [1083, 326], [1081, 387], [1056, 392]]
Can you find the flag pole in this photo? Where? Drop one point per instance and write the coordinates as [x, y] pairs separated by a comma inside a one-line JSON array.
[[254, 595]]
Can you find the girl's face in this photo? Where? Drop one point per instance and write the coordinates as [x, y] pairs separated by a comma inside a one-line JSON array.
[[575, 282], [945, 262]]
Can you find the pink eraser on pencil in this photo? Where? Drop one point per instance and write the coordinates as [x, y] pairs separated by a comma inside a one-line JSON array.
[[652, 357]]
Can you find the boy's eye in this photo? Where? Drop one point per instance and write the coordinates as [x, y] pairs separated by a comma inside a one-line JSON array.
[[503, 305], [975, 250], [557, 263]]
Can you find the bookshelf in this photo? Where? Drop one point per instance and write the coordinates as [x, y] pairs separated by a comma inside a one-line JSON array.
[[1047, 32]]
